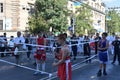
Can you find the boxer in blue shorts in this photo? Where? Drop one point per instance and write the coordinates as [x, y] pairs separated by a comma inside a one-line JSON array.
[[103, 45]]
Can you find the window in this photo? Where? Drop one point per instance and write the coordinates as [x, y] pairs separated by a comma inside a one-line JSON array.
[[1, 24], [1, 7]]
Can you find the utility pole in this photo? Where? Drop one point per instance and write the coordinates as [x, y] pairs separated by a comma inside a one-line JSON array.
[[34, 11], [5, 15], [73, 25]]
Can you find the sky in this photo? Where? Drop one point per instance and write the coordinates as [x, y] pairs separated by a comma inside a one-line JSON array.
[[112, 3]]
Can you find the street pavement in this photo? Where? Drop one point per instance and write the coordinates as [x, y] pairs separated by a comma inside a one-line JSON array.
[[83, 71]]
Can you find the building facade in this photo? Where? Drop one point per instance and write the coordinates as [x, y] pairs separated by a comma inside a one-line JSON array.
[[14, 14], [97, 10]]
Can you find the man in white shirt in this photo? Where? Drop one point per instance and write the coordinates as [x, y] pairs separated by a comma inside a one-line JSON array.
[[11, 42], [19, 41], [111, 39], [80, 46]]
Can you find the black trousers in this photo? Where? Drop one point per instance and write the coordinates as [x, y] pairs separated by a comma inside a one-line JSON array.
[[74, 50], [96, 50], [28, 53], [2, 49], [116, 54]]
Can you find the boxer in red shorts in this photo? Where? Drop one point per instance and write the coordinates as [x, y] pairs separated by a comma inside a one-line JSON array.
[[64, 64], [40, 54]]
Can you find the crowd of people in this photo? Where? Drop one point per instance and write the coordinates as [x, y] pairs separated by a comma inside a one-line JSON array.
[[63, 48]]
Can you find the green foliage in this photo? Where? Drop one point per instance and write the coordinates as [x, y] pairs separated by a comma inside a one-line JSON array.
[[50, 13], [40, 25], [83, 20], [113, 25]]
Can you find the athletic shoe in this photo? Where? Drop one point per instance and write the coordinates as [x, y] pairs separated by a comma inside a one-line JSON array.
[[99, 73], [36, 73], [104, 73]]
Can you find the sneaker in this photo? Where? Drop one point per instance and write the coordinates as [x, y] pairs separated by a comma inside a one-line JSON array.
[[36, 73], [90, 61], [104, 73], [42, 72], [99, 73], [119, 63], [34, 63], [112, 63], [21, 64], [74, 58], [28, 59]]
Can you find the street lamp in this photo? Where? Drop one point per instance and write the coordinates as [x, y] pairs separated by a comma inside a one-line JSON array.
[[108, 18], [26, 8], [34, 11], [73, 24]]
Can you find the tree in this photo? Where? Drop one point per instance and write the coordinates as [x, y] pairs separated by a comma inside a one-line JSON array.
[[37, 25], [113, 23], [52, 13], [83, 21]]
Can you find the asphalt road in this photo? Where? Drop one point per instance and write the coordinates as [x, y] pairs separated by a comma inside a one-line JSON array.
[[85, 71]]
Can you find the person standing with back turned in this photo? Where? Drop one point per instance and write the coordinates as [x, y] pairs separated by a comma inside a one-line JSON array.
[[98, 38]]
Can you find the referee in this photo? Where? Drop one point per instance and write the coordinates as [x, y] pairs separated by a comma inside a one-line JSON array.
[[116, 44]]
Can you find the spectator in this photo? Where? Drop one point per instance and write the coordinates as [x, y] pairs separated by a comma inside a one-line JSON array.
[[87, 49], [29, 47], [111, 39], [11, 44], [4, 36], [74, 43], [3, 44], [19, 42], [98, 38]]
